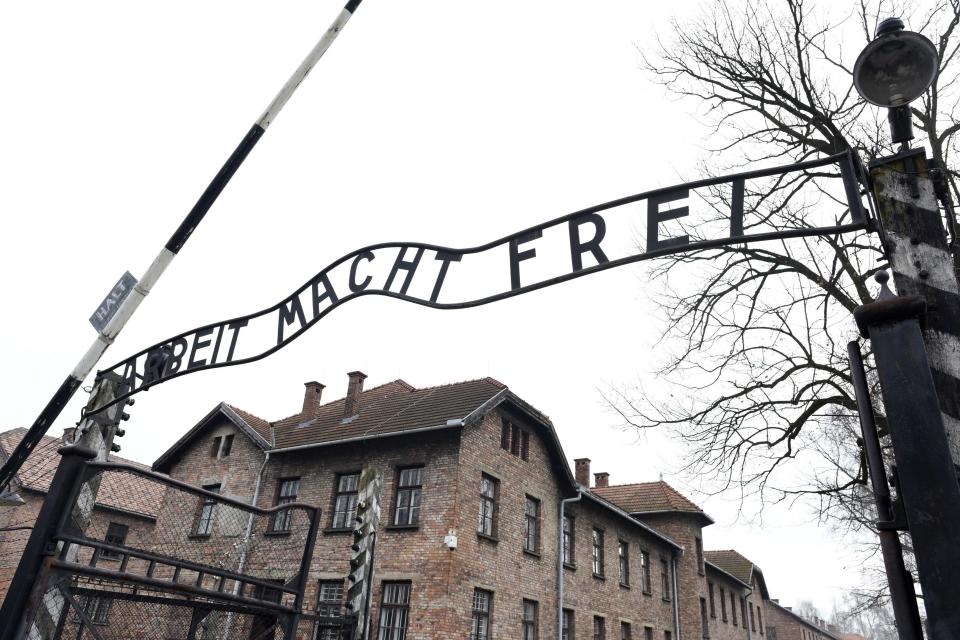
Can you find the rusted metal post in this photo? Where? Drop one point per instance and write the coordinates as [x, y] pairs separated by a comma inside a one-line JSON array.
[[927, 479], [21, 602]]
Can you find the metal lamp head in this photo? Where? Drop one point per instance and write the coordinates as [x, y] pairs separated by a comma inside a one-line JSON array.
[[897, 67]]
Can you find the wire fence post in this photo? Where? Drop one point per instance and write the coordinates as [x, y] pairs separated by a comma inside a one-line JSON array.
[[20, 606]]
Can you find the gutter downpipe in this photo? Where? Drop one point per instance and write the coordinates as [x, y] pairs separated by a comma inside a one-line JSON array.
[[563, 504], [676, 594], [246, 538]]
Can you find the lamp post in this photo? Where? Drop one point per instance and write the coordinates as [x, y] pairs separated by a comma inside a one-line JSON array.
[[895, 69], [915, 336]]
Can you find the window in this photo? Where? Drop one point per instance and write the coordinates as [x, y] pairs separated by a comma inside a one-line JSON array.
[[664, 579], [489, 490], [287, 490], [648, 633], [515, 440], [329, 605], [599, 629], [95, 610], [623, 562], [645, 571], [394, 611], [206, 513], [569, 534], [567, 630], [624, 630], [733, 607], [598, 552], [116, 535], [723, 605], [409, 486], [699, 543], [531, 525], [759, 620], [667, 635], [529, 620], [345, 500], [753, 622], [743, 611], [713, 607], [705, 629], [482, 604], [221, 446]]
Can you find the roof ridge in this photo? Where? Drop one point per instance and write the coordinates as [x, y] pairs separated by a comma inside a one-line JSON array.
[[487, 379]]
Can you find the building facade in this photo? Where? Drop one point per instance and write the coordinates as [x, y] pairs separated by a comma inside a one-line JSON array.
[[484, 531]]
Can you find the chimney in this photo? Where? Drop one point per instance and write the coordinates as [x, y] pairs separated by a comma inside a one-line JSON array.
[[601, 479], [351, 404], [311, 399], [69, 435], [581, 471]]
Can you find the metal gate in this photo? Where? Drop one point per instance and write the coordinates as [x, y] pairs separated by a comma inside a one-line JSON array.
[[211, 567]]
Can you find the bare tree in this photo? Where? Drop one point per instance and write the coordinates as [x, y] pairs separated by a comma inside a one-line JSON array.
[[760, 383]]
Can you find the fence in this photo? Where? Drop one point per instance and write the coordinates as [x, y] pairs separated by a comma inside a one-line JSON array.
[[211, 567]]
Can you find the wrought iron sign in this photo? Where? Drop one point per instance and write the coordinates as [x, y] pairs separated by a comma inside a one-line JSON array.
[[693, 216]]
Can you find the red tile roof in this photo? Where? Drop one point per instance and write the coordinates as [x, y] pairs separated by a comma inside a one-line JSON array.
[[392, 408], [733, 563], [645, 497], [129, 493]]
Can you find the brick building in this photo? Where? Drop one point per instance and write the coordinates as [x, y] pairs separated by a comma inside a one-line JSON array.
[[786, 625], [485, 532], [121, 514]]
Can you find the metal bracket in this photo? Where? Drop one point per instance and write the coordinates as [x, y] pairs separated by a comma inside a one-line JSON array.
[[897, 512]]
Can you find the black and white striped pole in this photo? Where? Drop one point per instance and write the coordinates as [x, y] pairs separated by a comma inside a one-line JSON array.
[[109, 333], [896, 68]]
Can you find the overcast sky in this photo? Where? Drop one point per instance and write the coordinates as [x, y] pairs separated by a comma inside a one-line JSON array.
[[443, 122]]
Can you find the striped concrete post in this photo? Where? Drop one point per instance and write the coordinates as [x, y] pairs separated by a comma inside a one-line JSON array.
[[922, 264]]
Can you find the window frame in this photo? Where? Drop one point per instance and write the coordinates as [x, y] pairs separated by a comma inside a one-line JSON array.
[[698, 542], [488, 514], [530, 627], [596, 553], [646, 577], [412, 491], [95, 608], [208, 519], [280, 522], [625, 627], [733, 608], [665, 586], [479, 614], [400, 608], [531, 525], [110, 554], [723, 605], [599, 628], [623, 562], [215, 448], [568, 629], [342, 519], [323, 609], [704, 620], [710, 594], [569, 540]]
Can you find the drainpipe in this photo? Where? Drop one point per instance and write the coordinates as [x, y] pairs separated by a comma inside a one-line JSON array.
[[246, 538], [563, 504], [676, 594]]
